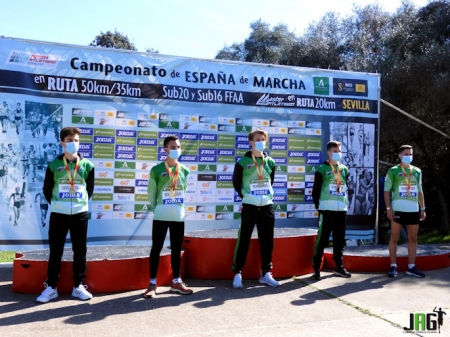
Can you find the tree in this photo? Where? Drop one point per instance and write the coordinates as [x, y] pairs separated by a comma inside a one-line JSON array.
[[115, 40], [264, 45]]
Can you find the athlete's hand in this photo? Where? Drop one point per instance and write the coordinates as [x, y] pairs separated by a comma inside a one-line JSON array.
[[423, 215], [390, 214]]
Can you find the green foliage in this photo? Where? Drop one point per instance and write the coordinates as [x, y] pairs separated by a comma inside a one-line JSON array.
[[115, 40], [7, 256], [411, 51]]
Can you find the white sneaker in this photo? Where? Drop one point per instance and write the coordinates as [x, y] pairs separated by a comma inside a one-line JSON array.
[[47, 295], [81, 292], [237, 281], [269, 280]]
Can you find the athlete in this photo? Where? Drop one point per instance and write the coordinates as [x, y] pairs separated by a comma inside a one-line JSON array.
[[351, 184], [18, 201], [167, 185], [352, 134], [365, 188], [3, 175], [68, 186], [44, 125], [32, 162], [367, 145], [330, 198], [4, 112], [32, 117], [57, 122], [18, 115], [43, 205], [441, 314], [50, 153], [361, 138], [24, 162], [404, 181], [252, 180]]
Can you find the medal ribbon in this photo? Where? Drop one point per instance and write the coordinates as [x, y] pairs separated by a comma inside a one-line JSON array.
[[337, 175], [69, 175], [172, 177], [260, 169], [408, 181]]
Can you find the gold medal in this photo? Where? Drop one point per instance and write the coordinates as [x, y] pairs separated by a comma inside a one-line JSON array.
[[339, 189], [173, 193], [72, 190]]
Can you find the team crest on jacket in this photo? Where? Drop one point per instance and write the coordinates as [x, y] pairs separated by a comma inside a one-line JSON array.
[[163, 174], [59, 169], [249, 166]]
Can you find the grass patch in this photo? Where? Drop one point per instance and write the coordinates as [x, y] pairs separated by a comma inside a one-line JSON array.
[[7, 256], [431, 236]]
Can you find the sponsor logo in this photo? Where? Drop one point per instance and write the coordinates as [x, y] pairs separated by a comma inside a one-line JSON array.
[[98, 139], [121, 155], [188, 136], [268, 100], [241, 139], [226, 152], [162, 135], [350, 87], [123, 148], [208, 137], [321, 85], [125, 133], [33, 59], [185, 157]]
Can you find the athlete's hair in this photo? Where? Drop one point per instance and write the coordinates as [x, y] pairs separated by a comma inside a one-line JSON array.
[[363, 175], [69, 131], [167, 140], [252, 134], [333, 143], [404, 147]]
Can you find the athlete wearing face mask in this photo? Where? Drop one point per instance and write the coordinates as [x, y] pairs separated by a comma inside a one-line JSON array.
[[166, 188], [68, 186], [330, 198], [253, 179], [405, 206]]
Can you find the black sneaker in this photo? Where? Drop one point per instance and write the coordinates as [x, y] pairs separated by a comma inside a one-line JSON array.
[[414, 272], [342, 272], [316, 275], [392, 271]]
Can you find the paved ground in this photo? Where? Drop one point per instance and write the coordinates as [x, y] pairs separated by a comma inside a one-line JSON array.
[[367, 304]]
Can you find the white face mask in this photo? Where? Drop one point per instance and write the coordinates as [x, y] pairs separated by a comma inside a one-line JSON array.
[[260, 146], [174, 154], [407, 159], [72, 147]]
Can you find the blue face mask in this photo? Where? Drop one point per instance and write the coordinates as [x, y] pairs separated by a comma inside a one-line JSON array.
[[174, 154], [260, 146], [72, 147], [336, 156], [407, 159]]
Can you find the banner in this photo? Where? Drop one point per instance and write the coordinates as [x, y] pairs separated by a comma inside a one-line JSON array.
[[126, 103]]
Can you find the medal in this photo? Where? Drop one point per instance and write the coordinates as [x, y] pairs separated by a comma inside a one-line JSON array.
[[408, 182], [259, 170], [337, 176], [69, 175], [173, 178]]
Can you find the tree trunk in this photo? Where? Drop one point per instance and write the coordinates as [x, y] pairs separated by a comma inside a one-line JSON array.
[[445, 229]]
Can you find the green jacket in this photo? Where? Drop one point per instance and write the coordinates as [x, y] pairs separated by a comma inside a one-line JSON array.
[[57, 185]]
